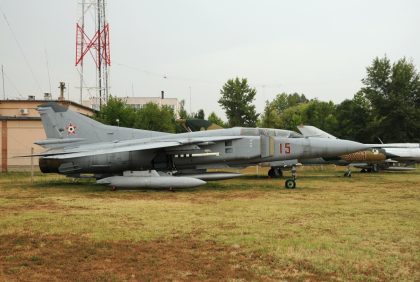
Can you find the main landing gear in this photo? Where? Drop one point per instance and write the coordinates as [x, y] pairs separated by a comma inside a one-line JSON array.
[[373, 168], [348, 172], [275, 172]]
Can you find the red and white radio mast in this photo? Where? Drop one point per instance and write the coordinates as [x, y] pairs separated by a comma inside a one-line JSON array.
[[93, 38]]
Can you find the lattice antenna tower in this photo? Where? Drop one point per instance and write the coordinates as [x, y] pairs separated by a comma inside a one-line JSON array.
[[92, 37]]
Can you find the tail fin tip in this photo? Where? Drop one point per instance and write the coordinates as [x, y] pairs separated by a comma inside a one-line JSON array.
[[56, 107]]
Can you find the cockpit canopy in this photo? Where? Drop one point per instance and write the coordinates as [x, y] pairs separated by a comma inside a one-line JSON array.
[[270, 132]]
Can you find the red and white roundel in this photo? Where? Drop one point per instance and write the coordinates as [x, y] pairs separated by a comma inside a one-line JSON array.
[[71, 129]]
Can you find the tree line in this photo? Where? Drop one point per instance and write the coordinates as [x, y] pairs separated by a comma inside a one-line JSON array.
[[386, 107], [150, 116]]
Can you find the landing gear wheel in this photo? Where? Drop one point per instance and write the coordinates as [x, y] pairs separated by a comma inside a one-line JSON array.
[[347, 173], [275, 172], [363, 170], [113, 188], [290, 184]]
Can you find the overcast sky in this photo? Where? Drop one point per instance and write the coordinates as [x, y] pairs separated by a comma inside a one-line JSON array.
[[318, 48]]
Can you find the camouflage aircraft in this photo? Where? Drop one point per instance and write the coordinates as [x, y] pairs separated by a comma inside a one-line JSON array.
[[78, 146], [392, 156]]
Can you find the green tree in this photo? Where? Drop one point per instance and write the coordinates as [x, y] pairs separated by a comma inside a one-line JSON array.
[[182, 112], [317, 113], [355, 120], [294, 116], [271, 117], [274, 115], [237, 98], [216, 120], [322, 115], [200, 114], [154, 117], [393, 91], [284, 101], [116, 112]]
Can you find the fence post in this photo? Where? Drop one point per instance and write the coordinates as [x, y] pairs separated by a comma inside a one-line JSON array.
[[32, 165]]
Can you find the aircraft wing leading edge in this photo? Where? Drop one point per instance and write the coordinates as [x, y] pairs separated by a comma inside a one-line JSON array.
[[117, 148]]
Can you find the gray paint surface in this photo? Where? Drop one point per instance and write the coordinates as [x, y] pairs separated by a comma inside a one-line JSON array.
[[111, 151]]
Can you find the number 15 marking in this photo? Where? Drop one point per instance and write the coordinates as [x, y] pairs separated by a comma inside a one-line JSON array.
[[287, 149]]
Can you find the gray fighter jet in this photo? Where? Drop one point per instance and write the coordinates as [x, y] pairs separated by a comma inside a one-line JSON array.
[[78, 146]]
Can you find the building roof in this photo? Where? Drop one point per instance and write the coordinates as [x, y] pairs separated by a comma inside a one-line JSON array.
[[19, 118], [63, 102]]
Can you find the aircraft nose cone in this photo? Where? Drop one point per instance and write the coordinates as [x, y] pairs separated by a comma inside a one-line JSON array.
[[340, 147], [324, 147], [353, 146]]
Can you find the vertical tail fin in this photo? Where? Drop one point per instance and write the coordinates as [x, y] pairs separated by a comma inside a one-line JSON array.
[[312, 131], [62, 123]]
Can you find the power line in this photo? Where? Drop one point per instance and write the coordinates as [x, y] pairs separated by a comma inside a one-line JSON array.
[[21, 51], [2, 76], [13, 85], [189, 79]]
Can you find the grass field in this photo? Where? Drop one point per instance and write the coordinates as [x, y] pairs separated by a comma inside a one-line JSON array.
[[366, 228]]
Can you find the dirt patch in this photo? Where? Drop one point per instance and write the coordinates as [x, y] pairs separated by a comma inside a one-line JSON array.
[[55, 258], [187, 195], [36, 205]]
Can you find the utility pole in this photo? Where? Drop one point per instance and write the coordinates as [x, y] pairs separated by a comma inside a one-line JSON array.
[[32, 165], [99, 62], [97, 44], [190, 101], [82, 25], [62, 87]]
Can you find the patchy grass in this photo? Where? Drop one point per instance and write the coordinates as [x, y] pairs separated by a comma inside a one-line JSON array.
[[63, 257], [365, 228]]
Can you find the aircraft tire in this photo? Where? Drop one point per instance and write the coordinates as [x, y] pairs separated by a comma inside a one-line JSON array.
[[290, 184], [279, 172], [271, 173], [275, 172]]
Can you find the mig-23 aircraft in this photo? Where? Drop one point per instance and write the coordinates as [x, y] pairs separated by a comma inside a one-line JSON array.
[[78, 146]]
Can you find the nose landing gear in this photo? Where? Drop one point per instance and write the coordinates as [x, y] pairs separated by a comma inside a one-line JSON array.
[[291, 182]]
